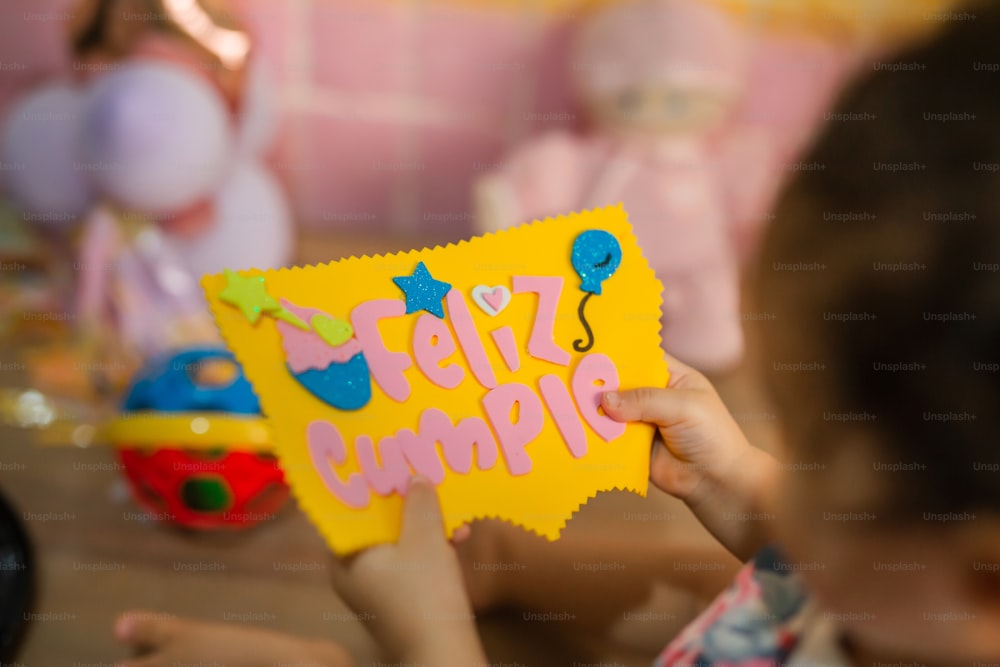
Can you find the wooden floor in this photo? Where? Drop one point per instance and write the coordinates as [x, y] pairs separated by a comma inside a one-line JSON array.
[[96, 559]]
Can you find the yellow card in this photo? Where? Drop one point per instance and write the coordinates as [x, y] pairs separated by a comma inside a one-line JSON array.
[[478, 365]]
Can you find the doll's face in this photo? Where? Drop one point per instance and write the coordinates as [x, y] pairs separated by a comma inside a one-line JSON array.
[[663, 109]]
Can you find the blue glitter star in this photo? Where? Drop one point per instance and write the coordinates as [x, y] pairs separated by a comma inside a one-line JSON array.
[[422, 291]]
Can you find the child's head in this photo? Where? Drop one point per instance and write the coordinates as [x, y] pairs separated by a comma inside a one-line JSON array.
[[882, 274]]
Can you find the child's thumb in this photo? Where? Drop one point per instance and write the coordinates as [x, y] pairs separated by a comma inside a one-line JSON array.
[[421, 512], [656, 406]]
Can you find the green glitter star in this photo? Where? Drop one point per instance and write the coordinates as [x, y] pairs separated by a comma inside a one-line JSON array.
[[249, 295]]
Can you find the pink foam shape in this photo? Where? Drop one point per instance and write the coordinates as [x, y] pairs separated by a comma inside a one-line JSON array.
[[491, 300], [469, 341], [325, 445], [393, 475], [594, 368], [306, 350], [471, 432], [458, 440], [429, 354], [564, 412], [515, 435], [541, 344], [421, 452], [495, 298], [386, 366], [504, 339]]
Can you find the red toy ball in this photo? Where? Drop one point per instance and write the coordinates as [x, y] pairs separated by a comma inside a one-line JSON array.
[[206, 489], [192, 449]]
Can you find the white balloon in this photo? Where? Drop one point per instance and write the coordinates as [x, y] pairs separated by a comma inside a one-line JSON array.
[[39, 158], [252, 226], [156, 138]]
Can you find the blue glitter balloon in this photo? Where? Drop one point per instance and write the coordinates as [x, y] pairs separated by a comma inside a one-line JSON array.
[[596, 256]]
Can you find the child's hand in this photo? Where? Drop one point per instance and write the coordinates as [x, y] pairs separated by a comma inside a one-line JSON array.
[[411, 593], [704, 459], [702, 440], [163, 640]]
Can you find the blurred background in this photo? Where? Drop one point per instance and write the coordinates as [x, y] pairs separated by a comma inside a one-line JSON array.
[[144, 143]]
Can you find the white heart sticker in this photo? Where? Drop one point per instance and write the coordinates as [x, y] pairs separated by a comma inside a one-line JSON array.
[[493, 300]]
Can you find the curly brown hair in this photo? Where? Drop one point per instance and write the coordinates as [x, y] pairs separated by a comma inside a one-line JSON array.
[[882, 274]]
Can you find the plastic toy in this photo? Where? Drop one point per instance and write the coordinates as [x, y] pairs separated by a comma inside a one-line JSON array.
[[190, 443]]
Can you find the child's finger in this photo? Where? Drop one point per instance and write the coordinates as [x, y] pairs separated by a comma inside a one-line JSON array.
[[661, 461], [682, 375], [461, 534], [662, 407], [421, 513], [145, 661], [144, 629]]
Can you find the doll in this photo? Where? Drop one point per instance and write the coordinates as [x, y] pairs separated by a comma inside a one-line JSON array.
[[657, 77]]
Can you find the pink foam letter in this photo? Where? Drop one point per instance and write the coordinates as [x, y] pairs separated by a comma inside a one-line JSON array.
[[504, 338], [326, 445], [386, 367], [393, 474], [420, 451], [541, 344], [458, 440], [515, 434], [429, 354], [594, 369], [567, 419], [468, 339]]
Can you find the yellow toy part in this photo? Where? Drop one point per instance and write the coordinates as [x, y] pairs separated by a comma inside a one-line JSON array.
[[478, 365], [195, 430]]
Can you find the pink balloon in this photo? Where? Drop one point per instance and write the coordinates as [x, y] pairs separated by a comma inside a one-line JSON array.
[[252, 226], [39, 158], [155, 137]]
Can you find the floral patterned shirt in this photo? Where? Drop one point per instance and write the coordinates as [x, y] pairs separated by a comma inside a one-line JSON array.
[[764, 619]]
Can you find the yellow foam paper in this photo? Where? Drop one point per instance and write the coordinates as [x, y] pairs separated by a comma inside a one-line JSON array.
[[626, 323]]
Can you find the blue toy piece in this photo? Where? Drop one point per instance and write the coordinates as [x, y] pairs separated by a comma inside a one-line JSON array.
[[167, 384]]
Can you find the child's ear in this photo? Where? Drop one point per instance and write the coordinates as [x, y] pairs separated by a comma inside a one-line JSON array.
[[979, 546]]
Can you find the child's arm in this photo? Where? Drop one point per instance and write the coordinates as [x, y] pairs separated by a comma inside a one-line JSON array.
[[704, 459], [410, 594], [159, 639]]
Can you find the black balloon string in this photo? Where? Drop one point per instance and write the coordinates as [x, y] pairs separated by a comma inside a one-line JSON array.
[[578, 344]]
